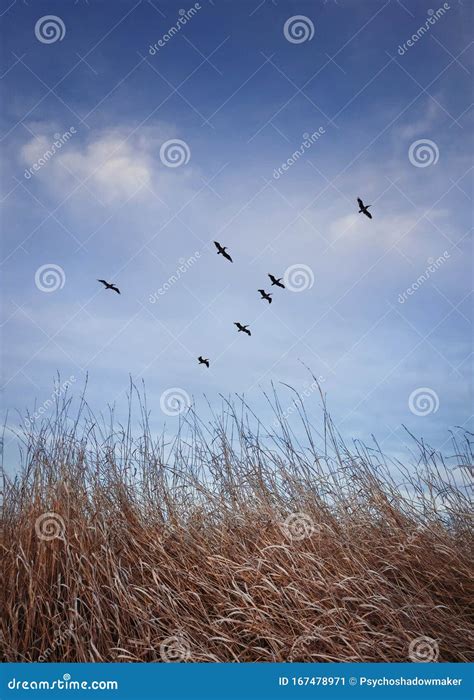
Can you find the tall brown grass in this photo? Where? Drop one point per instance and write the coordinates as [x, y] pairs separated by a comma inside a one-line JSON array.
[[232, 542]]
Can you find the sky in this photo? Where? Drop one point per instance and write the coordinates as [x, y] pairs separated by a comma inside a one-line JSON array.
[[169, 141]]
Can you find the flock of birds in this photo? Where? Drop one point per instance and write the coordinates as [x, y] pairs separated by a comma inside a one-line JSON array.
[[265, 296]]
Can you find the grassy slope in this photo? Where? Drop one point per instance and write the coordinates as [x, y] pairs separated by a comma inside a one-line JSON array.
[[232, 545]]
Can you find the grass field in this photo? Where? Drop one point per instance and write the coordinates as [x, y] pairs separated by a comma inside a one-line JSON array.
[[232, 542]]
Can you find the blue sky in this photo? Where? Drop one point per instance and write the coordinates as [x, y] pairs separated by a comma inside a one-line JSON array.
[[242, 93]]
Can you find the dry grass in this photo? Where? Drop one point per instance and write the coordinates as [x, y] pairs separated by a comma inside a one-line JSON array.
[[185, 550]]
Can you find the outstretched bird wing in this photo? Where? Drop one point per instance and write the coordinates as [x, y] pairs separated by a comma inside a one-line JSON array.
[[360, 202], [218, 246], [103, 282], [226, 255], [116, 289], [367, 213]]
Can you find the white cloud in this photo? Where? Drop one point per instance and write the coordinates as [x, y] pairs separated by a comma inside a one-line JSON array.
[[114, 164], [423, 126], [116, 168]]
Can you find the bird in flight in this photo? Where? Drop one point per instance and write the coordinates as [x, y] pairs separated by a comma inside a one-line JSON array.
[[108, 285], [203, 361], [222, 250], [265, 295], [276, 281], [364, 209], [242, 329]]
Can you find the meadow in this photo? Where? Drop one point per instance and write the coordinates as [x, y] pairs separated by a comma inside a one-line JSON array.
[[232, 541]]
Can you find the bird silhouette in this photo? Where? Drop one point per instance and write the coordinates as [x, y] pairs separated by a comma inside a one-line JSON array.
[[265, 295], [108, 285], [276, 281], [203, 361], [242, 329], [364, 209], [221, 250]]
